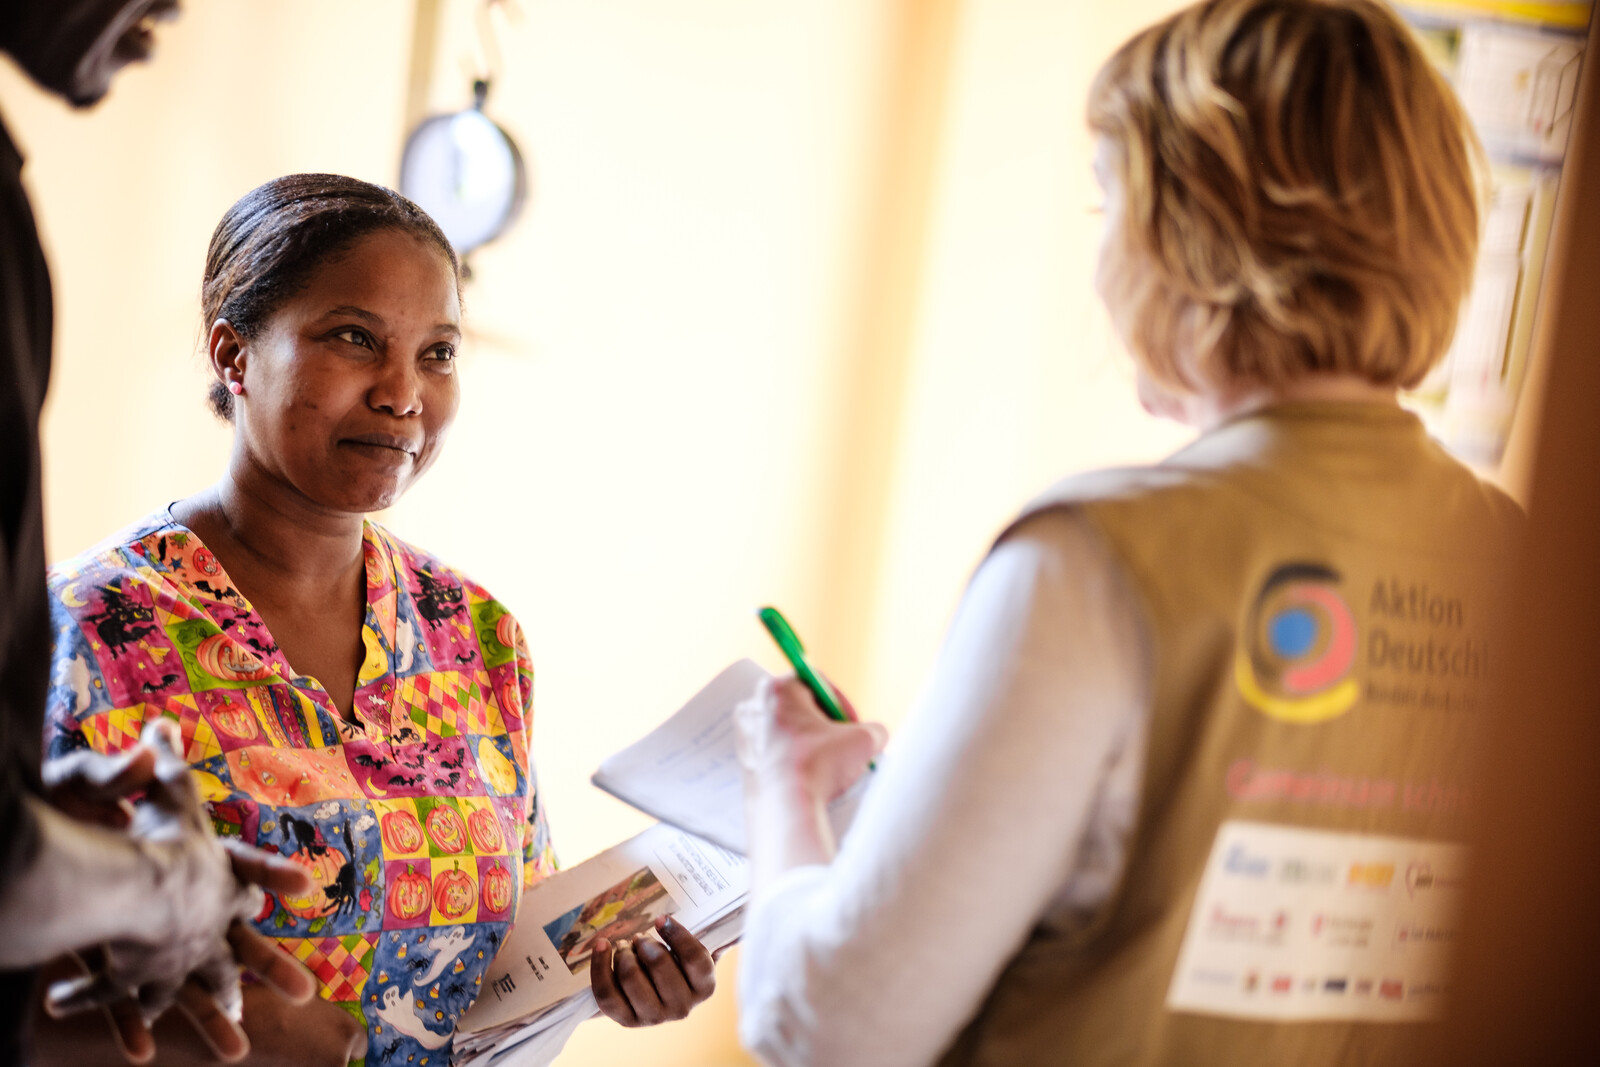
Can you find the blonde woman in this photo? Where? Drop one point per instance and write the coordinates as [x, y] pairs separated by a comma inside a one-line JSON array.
[[1186, 782]]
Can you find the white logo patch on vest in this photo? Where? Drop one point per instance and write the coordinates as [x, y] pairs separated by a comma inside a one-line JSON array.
[[1294, 925]]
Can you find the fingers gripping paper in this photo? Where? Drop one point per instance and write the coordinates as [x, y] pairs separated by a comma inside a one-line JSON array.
[[686, 772], [537, 989]]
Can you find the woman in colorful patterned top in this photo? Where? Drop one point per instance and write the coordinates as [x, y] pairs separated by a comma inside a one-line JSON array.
[[345, 699]]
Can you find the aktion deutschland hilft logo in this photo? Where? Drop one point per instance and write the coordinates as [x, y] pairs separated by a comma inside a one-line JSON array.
[[1299, 644]]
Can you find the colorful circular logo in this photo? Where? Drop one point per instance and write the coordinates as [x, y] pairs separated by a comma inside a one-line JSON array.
[[1299, 644]]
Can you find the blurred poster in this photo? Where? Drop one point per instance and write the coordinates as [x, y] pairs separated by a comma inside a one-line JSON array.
[[1515, 67]]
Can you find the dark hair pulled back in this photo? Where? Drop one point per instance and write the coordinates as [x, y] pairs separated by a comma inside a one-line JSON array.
[[277, 234]]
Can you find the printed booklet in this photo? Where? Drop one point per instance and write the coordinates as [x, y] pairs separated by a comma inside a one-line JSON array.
[[537, 991], [685, 772], [691, 866]]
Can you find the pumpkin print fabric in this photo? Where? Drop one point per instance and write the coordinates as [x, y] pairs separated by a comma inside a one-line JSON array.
[[420, 823]]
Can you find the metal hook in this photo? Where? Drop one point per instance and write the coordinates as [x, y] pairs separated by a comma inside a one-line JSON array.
[[488, 48]]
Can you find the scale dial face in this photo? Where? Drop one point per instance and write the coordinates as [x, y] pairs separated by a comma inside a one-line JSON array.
[[466, 172]]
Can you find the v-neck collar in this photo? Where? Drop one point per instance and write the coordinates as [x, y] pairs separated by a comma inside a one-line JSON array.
[[374, 692]]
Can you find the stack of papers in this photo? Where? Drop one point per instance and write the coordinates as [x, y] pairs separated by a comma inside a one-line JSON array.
[[537, 990], [685, 772]]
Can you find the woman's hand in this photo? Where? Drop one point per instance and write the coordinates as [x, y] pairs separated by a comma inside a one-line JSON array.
[[644, 983], [783, 735], [795, 761]]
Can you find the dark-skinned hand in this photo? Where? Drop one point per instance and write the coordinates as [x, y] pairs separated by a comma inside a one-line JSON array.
[[644, 983]]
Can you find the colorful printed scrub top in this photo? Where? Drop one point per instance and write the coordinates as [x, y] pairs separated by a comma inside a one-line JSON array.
[[413, 822]]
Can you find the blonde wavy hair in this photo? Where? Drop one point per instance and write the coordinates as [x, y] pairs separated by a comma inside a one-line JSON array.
[[1298, 192]]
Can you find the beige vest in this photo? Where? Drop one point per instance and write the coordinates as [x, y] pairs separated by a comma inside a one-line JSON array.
[[1317, 583]]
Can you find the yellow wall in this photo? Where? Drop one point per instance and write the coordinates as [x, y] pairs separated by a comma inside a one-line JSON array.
[[1015, 377], [802, 291], [635, 465]]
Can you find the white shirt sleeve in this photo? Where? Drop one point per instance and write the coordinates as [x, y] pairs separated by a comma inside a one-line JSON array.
[[1009, 795]]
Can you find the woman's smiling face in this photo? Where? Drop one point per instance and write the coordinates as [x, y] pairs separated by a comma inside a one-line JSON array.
[[350, 386]]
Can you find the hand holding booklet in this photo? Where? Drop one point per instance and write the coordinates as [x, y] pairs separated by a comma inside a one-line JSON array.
[[537, 991], [685, 772]]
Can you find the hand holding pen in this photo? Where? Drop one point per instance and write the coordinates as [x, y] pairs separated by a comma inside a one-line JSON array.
[[832, 705], [797, 761], [781, 733]]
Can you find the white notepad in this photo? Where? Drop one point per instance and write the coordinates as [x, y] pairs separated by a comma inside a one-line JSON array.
[[686, 771]]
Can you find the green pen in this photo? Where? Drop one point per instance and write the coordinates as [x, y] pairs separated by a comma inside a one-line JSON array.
[[793, 651]]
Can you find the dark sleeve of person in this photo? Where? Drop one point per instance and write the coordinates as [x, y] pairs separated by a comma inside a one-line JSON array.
[[25, 325]]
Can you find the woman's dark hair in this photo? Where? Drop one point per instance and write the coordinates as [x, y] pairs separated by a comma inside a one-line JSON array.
[[270, 241]]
